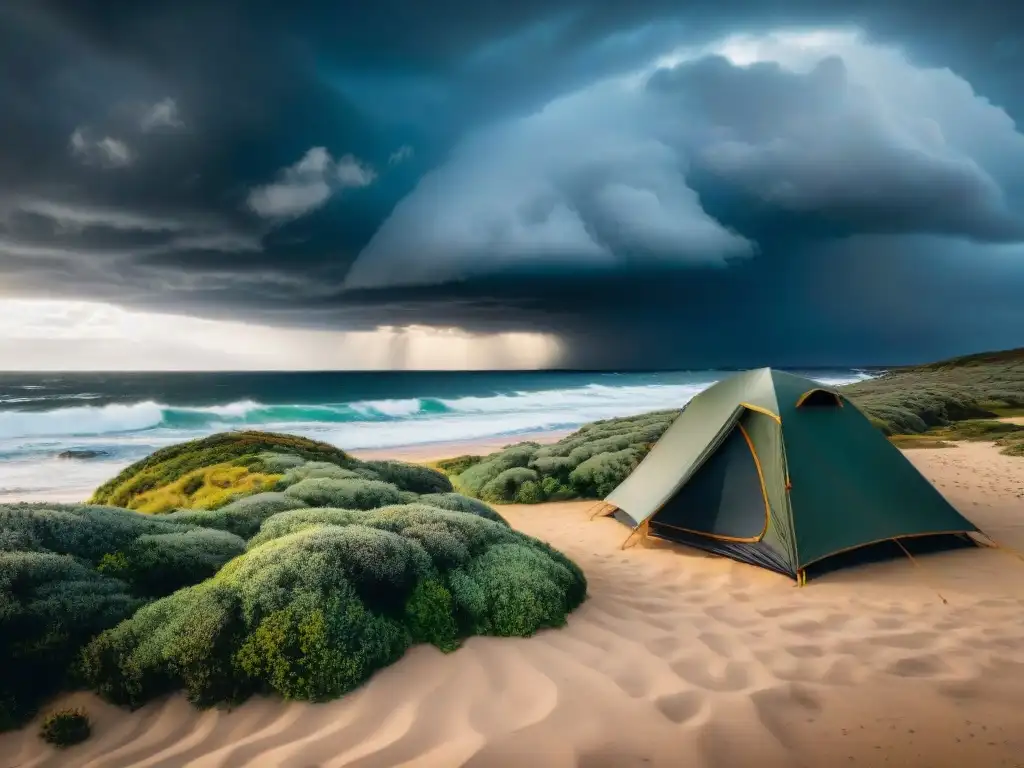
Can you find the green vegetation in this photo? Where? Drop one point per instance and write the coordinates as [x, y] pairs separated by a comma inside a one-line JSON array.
[[304, 590], [69, 572], [216, 471], [324, 597], [589, 463], [228, 449], [920, 407], [65, 727]]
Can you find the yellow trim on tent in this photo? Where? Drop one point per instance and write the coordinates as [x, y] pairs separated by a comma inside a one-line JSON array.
[[764, 495], [808, 393], [765, 411]]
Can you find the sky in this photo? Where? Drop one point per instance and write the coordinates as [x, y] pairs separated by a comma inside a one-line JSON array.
[[568, 183]]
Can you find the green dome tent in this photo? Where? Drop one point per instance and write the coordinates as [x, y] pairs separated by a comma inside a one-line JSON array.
[[778, 471]]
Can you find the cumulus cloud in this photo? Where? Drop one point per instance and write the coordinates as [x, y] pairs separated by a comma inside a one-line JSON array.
[[830, 125], [400, 155], [824, 125], [107, 152], [162, 115], [580, 183], [308, 184]]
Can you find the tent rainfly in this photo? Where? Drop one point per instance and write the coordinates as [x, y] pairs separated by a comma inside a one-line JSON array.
[[779, 471]]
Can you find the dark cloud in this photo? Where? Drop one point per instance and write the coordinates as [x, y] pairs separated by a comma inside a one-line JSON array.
[[482, 167]]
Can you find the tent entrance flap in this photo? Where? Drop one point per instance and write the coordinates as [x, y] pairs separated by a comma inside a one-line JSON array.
[[725, 499]]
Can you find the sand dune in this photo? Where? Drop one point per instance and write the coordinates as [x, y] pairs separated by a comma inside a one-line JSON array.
[[677, 659]]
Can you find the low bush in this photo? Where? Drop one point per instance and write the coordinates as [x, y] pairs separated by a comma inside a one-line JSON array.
[[279, 463], [301, 519], [156, 565], [472, 481], [586, 464], [65, 727], [410, 477], [84, 531], [50, 606], [243, 517], [505, 486], [67, 572], [457, 465], [312, 613], [598, 475], [314, 469], [346, 494], [456, 502]]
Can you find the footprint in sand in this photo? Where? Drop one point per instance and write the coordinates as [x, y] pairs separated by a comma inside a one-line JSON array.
[[735, 676], [805, 651], [918, 666], [681, 707], [718, 644], [774, 613], [663, 646], [912, 641], [828, 625]]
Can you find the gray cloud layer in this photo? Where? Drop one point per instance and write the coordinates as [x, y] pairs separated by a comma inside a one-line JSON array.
[[506, 167]]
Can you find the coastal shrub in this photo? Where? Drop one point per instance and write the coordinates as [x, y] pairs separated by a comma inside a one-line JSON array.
[[82, 530], [156, 565], [242, 517], [206, 488], [346, 494], [504, 487], [472, 481], [410, 477], [457, 465], [67, 572], [65, 727], [313, 469], [279, 463], [626, 439], [456, 502], [243, 449], [50, 606], [311, 614], [301, 519], [600, 474]]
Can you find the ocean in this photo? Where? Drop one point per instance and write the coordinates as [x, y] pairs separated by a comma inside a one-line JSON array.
[[125, 416]]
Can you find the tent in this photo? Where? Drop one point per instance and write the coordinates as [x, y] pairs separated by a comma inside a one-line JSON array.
[[779, 471]]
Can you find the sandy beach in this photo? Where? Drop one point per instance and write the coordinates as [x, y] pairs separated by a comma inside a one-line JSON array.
[[429, 452], [676, 659]]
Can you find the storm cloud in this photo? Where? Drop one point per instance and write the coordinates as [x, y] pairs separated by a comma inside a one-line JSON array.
[[763, 183]]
